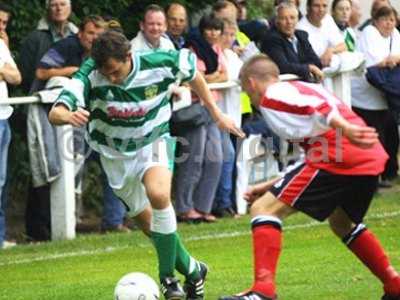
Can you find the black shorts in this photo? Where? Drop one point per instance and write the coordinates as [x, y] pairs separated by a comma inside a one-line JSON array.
[[318, 193]]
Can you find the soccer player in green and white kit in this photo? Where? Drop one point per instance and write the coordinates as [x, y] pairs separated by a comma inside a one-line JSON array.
[[125, 99]]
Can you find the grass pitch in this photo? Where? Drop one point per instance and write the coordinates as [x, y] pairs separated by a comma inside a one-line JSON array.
[[314, 265]]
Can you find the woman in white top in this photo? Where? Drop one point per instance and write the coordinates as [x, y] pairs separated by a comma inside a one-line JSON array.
[[341, 12], [380, 43]]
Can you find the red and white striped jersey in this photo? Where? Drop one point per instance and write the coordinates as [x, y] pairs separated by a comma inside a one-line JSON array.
[[301, 112]]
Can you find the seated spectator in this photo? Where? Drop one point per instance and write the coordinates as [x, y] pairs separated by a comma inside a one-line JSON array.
[[176, 24], [152, 31], [323, 34], [289, 48], [43, 156], [380, 43], [341, 12], [196, 178], [9, 74]]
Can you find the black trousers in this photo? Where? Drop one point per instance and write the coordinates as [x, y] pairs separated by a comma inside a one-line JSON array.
[[385, 124]]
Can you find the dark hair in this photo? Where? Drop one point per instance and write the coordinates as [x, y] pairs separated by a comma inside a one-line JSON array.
[[336, 2], [210, 22], [221, 4], [110, 44], [4, 7], [384, 11], [153, 8], [98, 21]]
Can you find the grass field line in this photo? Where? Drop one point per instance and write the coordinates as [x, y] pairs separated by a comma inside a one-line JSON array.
[[63, 255]]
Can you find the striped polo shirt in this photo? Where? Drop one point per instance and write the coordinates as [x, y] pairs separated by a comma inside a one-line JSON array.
[[131, 115]]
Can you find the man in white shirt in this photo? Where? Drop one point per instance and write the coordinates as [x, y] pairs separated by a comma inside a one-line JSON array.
[[8, 74], [152, 31], [323, 34]]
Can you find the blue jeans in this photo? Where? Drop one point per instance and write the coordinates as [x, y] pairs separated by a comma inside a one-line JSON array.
[[5, 138], [223, 195]]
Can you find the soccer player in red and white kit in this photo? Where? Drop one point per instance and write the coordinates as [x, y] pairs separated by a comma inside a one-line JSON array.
[[336, 180]]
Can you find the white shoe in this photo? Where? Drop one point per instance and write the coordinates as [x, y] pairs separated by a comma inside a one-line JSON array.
[[8, 244]]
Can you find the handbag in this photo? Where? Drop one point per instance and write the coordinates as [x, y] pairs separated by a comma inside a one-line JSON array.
[[191, 116]]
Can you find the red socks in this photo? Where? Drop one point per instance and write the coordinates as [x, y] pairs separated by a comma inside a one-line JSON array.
[[368, 249], [266, 248]]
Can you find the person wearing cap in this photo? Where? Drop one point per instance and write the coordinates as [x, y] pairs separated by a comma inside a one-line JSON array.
[[44, 160]]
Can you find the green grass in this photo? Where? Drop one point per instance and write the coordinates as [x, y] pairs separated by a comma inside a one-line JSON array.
[[313, 264]]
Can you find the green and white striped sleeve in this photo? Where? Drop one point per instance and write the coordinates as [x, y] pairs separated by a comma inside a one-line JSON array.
[[77, 91], [186, 65]]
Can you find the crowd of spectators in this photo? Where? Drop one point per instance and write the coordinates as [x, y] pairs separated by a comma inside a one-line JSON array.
[[205, 185]]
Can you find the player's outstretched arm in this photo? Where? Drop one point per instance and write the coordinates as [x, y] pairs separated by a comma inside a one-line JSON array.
[[362, 136], [199, 85], [61, 115], [256, 191]]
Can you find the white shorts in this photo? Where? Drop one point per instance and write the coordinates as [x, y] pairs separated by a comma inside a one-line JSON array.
[[125, 175]]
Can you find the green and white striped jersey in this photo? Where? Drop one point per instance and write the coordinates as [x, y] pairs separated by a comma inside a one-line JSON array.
[[131, 115]]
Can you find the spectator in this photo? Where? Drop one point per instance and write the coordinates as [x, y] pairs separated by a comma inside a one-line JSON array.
[[272, 21], [289, 48], [177, 23], [380, 43], [4, 18], [196, 178], [341, 13], [376, 5], [356, 14], [323, 34], [44, 158], [9, 74], [152, 30], [65, 56]]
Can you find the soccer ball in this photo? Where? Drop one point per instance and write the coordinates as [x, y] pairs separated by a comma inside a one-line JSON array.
[[136, 286]]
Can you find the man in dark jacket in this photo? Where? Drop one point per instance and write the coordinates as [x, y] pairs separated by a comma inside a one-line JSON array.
[[289, 48]]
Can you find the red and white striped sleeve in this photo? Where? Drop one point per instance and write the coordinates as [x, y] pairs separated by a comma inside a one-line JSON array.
[[296, 110]]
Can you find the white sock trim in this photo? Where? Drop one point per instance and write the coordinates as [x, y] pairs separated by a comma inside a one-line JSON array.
[[163, 220], [266, 218]]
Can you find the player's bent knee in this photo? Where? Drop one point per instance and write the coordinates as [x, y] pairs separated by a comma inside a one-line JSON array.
[[159, 199], [340, 223], [268, 204]]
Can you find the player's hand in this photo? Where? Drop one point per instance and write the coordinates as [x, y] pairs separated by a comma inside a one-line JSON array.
[[362, 136], [79, 117], [256, 191], [227, 124]]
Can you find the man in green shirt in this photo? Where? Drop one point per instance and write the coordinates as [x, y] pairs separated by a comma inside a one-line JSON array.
[[125, 99]]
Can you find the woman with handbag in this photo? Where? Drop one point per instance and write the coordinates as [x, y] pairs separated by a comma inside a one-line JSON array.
[[199, 149], [380, 43]]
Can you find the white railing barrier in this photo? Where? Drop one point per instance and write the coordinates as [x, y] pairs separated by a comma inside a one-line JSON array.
[[62, 192]]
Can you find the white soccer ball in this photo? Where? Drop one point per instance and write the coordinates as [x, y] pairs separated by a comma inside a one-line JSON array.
[[136, 286]]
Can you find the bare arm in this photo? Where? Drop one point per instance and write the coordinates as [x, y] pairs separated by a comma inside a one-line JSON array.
[[10, 74], [326, 57], [45, 74], [61, 115], [199, 86], [217, 76]]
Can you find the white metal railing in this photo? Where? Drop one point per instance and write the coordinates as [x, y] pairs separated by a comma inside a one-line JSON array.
[[62, 190]]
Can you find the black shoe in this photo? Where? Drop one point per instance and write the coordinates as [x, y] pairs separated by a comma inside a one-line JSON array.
[[387, 297], [171, 289], [195, 289], [247, 296]]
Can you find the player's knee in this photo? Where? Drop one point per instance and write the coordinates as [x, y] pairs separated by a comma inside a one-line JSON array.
[[159, 199], [266, 205], [340, 223]]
